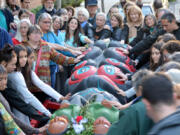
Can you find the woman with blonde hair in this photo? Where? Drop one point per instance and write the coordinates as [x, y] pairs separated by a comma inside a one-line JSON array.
[[134, 22]]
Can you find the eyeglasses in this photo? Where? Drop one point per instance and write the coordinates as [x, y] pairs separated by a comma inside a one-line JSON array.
[[46, 22], [57, 22]]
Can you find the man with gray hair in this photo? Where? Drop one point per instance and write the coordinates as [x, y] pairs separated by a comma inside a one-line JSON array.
[[48, 7]]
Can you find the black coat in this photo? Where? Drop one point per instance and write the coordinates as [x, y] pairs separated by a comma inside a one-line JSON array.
[[117, 34], [142, 33], [125, 34], [151, 39], [103, 34], [43, 10], [9, 17], [147, 42], [88, 31], [16, 101]]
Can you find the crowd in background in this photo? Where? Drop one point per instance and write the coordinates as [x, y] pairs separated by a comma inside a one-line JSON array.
[[35, 47]]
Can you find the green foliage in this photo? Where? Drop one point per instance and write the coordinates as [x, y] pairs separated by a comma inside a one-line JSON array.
[[171, 0], [35, 10], [73, 3], [88, 126]]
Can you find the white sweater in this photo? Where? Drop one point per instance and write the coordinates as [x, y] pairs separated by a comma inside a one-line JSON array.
[[44, 87], [16, 81]]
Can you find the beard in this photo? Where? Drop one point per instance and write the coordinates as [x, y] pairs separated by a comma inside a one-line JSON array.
[[49, 9]]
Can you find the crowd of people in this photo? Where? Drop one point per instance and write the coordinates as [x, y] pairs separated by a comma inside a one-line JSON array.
[[36, 49]]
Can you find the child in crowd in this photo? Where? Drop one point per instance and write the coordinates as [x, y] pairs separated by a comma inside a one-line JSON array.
[[32, 79], [17, 82], [10, 126]]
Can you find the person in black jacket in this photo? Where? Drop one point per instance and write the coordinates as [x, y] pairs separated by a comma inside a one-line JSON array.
[[148, 28], [101, 31], [117, 25], [12, 6], [134, 22], [168, 24], [146, 43], [83, 16], [8, 60], [48, 7]]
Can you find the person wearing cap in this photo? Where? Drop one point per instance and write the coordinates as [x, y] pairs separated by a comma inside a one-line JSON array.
[[48, 7], [92, 9]]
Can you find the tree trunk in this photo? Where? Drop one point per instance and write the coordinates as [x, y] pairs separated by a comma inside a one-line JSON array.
[[59, 4], [102, 6]]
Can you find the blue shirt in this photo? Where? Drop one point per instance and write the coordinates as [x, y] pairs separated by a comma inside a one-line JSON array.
[[3, 23], [71, 40], [4, 38], [51, 38]]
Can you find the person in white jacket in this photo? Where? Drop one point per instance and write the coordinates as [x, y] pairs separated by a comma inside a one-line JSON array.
[[32, 79], [17, 82]]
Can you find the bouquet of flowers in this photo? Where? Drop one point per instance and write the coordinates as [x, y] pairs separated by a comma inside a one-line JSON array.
[[82, 124]]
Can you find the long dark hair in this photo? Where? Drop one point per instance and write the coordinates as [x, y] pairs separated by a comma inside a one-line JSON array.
[[154, 66], [76, 32], [26, 71], [17, 50], [7, 53], [147, 28]]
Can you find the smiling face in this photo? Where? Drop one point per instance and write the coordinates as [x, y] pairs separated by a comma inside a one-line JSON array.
[[73, 24], [134, 16], [149, 21], [22, 58], [114, 22], [155, 55]]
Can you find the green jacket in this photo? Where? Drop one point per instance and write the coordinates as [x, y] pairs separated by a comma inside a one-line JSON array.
[[132, 121]]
